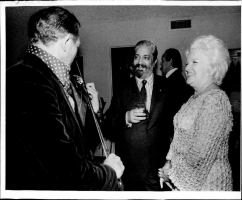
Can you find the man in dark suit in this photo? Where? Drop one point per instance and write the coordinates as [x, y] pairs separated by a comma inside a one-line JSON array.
[[178, 90], [48, 134], [138, 114]]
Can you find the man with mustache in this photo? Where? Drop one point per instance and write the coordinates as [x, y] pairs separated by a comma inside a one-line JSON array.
[[138, 112]]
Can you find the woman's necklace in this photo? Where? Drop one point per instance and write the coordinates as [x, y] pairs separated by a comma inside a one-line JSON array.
[[206, 89]]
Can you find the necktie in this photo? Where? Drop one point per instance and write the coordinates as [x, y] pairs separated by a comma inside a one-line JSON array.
[[143, 92]]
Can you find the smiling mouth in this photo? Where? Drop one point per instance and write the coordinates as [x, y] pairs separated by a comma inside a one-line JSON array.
[[188, 73]]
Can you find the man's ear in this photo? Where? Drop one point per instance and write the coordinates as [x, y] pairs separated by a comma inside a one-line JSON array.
[[155, 62], [65, 40], [171, 61]]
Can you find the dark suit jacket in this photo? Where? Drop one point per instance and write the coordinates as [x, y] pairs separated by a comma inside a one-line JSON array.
[[144, 146], [178, 93], [47, 147]]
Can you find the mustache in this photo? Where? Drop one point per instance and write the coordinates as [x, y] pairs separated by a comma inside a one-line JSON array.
[[140, 65]]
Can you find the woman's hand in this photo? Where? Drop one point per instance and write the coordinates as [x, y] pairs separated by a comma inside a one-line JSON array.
[[163, 173], [93, 94]]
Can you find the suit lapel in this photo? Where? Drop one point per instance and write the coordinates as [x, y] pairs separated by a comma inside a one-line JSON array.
[[80, 99], [135, 92], [134, 87], [61, 89], [156, 100], [65, 97]]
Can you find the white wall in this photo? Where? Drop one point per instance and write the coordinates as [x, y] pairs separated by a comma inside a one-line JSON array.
[[99, 38]]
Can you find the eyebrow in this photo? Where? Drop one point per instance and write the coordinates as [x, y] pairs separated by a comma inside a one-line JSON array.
[[144, 55]]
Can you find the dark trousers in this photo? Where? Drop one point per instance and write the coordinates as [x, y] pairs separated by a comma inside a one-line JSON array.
[[150, 183]]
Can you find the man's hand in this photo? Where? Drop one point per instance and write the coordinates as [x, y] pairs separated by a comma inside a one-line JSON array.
[[136, 115], [114, 161], [93, 94]]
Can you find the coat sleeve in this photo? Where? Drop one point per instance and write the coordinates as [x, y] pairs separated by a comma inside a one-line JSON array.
[[115, 117], [190, 170], [45, 150]]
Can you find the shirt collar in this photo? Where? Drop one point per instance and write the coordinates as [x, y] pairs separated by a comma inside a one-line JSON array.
[[170, 72], [58, 67], [149, 80]]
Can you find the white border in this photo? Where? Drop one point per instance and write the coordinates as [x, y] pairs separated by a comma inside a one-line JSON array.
[[121, 2], [84, 194], [120, 195], [2, 123]]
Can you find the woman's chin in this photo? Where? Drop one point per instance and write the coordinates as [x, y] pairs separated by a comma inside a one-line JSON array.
[[189, 81]]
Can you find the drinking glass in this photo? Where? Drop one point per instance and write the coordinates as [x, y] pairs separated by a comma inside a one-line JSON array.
[[142, 105]]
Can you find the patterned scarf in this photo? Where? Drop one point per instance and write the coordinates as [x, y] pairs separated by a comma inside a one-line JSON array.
[[59, 68]]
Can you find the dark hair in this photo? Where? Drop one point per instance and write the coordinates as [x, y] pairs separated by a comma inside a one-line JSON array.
[[148, 44], [51, 23], [175, 56]]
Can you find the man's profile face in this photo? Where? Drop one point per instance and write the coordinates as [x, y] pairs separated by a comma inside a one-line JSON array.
[[165, 65], [143, 62]]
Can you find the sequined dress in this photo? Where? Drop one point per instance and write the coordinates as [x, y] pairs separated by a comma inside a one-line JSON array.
[[199, 150]]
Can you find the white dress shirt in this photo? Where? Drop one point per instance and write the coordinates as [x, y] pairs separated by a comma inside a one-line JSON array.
[[148, 87]]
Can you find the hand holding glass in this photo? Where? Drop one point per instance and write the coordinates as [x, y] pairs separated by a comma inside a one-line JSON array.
[[136, 115], [141, 105]]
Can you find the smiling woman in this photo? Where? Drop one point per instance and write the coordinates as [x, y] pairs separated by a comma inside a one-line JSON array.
[[198, 155], [197, 71]]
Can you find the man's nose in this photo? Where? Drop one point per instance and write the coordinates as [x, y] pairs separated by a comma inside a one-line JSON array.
[[140, 61]]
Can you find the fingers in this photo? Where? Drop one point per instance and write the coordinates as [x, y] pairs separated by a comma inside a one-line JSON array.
[[161, 173], [93, 94], [136, 115], [139, 112], [91, 90], [116, 163], [90, 85], [116, 159], [161, 182]]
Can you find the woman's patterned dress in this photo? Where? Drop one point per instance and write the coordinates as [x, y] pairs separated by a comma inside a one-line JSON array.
[[199, 150]]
